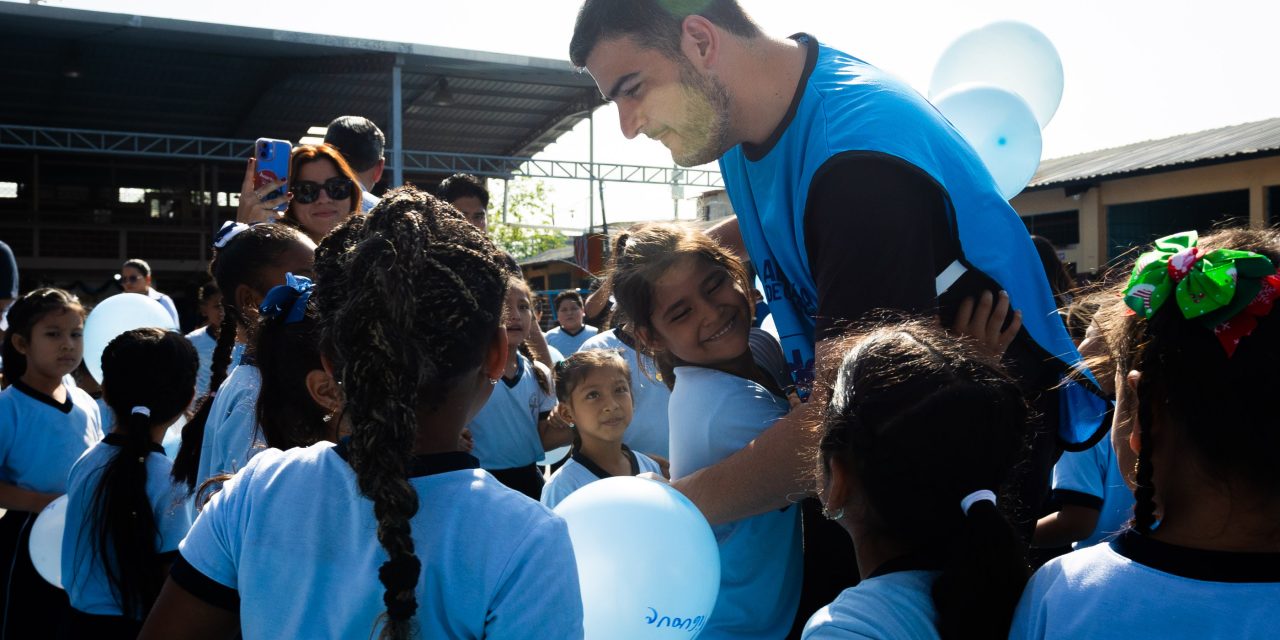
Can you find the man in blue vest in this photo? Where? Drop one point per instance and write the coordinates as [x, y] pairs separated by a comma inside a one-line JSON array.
[[852, 193]]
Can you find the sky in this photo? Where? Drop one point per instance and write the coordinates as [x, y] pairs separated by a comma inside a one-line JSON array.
[[1134, 69]]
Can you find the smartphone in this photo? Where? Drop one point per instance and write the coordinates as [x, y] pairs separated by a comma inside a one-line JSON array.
[[273, 166]]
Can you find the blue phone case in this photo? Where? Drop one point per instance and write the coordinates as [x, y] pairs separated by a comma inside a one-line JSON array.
[[273, 166]]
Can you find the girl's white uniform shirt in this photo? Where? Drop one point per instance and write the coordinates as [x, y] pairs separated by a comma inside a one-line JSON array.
[[888, 606], [569, 344], [649, 430], [291, 544], [713, 415], [40, 438], [231, 435], [505, 432], [1138, 587], [83, 570], [1091, 478], [580, 471]]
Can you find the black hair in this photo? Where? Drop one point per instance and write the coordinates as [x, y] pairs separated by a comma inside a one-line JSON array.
[[1061, 283], [517, 280], [139, 264], [921, 420], [358, 139], [240, 262], [206, 291], [570, 372], [567, 294], [409, 296], [154, 370], [654, 24], [462, 185], [286, 353], [641, 256], [1219, 402], [23, 316]]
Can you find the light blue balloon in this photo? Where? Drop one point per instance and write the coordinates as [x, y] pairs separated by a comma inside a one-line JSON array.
[[1000, 127], [647, 560], [1011, 55], [555, 455], [116, 315]]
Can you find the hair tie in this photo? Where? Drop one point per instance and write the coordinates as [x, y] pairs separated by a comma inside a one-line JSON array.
[[1225, 290], [229, 230], [140, 409], [980, 495], [288, 300]]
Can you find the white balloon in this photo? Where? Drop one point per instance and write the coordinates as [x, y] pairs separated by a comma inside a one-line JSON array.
[[1011, 55], [173, 437], [1000, 127], [648, 563], [116, 315], [46, 541]]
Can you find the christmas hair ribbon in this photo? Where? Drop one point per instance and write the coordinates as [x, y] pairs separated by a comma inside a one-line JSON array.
[[229, 230], [1217, 287], [288, 299]]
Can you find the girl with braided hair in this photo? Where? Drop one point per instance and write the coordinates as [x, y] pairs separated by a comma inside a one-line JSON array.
[[124, 516], [247, 262], [410, 302], [1195, 436]]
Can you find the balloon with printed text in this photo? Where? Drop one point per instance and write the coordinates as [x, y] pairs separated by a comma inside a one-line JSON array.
[[648, 562]]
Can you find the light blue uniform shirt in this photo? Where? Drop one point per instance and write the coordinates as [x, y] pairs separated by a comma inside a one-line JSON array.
[[569, 344], [1093, 473], [40, 439], [293, 536], [231, 435], [83, 571], [581, 471], [893, 606], [166, 302], [505, 432], [649, 431], [1137, 587], [713, 415], [204, 344]]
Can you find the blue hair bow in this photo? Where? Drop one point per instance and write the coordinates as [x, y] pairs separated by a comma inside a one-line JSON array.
[[288, 299], [228, 231]]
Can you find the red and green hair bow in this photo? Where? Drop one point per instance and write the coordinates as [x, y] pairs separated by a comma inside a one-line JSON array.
[[1224, 289]]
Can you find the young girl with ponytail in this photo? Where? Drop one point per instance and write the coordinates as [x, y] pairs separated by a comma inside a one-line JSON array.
[[410, 301], [919, 440], [247, 262], [1195, 436], [124, 515]]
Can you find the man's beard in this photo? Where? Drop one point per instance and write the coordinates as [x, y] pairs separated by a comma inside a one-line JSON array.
[[706, 127]]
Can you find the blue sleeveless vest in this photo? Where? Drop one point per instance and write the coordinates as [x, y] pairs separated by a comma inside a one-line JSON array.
[[849, 105]]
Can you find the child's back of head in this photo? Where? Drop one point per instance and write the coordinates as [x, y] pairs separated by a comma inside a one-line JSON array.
[[287, 352]]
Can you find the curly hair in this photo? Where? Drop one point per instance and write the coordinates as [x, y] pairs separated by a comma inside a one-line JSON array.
[[408, 297]]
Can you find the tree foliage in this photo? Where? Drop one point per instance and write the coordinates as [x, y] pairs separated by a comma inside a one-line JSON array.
[[528, 203]]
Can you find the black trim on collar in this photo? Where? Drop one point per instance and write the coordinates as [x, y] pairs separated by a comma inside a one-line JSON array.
[[203, 587], [599, 472], [625, 338], [573, 335], [1077, 498], [753, 152], [427, 464], [513, 381], [1198, 564], [64, 407], [120, 440], [909, 562]]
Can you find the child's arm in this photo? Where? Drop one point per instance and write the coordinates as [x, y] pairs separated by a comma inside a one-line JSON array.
[[1073, 523], [16, 498], [553, 431], [179, 614], [663, 464]]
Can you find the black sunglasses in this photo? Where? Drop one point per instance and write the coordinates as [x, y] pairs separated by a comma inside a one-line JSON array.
[[306, 191]]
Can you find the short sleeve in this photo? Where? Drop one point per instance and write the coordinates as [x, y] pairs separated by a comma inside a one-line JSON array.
[[527, 600], [213, 545], [553, 491], [1079, 477], [173, 520], [1029, 619]]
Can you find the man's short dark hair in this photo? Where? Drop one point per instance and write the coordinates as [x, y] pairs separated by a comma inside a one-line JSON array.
[[358, 139], [461, 185], [567, 294], [654, 24]]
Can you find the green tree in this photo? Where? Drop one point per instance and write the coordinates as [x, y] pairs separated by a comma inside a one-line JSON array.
[[528, 205]]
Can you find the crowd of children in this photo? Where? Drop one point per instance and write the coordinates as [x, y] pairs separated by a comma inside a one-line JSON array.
[[369, 420]]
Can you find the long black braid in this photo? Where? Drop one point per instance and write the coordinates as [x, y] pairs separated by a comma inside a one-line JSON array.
[[408, 298]]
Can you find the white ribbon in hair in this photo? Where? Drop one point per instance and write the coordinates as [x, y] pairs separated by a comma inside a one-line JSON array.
[[975, 497], [143, 410], [229, 230]]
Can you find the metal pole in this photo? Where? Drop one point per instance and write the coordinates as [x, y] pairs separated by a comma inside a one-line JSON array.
[[591, 173], [397, 112], [506, 192]]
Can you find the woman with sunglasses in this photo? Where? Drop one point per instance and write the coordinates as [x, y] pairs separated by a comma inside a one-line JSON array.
[[323, 191]]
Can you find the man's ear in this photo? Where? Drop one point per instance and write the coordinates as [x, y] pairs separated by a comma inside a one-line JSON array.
[[700, 42], [377, 170]]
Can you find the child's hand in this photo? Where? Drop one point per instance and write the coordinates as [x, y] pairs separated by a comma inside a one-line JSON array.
[[982, 320]]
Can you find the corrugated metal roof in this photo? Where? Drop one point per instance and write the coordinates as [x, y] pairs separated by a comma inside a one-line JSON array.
[[1178, 152], [180, 77]]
